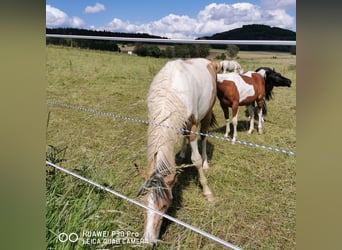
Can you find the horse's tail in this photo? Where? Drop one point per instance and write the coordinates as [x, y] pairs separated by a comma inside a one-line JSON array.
[[264, 107]]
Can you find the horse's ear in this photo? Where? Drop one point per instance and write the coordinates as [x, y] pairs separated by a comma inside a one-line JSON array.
[[216, 66], [141, 172]]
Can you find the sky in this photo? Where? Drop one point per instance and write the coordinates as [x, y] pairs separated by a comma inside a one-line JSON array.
[[178, 19]]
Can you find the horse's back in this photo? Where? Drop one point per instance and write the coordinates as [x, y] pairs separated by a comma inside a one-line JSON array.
[[243, 83], [193, 81]]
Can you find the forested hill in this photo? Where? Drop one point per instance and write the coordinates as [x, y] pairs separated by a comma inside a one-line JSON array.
[[85, 32], [256, 32], [246, 32], [88, 43]]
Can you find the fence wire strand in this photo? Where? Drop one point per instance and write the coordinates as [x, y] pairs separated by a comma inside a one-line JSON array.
[[195, 229], [126, 118]]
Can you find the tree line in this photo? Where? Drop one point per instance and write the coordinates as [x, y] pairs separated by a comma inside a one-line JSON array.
[[179, 51], [247, 32]]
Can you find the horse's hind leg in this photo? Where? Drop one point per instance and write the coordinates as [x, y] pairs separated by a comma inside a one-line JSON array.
[[205, 123], [195, 155], [226, 116], [235, 111]]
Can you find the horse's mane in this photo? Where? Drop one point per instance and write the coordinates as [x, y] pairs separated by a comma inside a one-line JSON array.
[[157, 186], [268, 84], [165, 109]]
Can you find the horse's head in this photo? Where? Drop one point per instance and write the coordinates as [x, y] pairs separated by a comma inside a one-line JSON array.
[[275, 78], [155, 193], [272, 79], [216, 66]]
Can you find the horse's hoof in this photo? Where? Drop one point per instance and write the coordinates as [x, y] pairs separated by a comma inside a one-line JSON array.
[[205, 166], [210, 197]]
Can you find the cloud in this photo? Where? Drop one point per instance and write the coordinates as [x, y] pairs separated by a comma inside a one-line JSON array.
[[58, 18], [279, 4], [212, 19], [94, 9]]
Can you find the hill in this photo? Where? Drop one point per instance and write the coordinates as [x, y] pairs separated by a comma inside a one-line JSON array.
[[255, 32], [85, 32], [91, 44], [246, 32]]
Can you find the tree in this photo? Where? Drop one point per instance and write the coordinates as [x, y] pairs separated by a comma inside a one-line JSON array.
[[169, 52], [182, 51], [232, 51], [140, 50]]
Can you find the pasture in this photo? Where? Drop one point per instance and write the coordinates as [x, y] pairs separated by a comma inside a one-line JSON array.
[[254, 189]]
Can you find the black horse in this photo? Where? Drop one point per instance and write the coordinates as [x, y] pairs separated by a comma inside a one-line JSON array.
[[272, 79]]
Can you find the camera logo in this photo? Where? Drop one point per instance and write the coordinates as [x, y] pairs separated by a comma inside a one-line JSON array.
[[64, 237]]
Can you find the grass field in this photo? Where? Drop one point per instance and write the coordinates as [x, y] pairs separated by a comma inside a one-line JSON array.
[[255, 189]]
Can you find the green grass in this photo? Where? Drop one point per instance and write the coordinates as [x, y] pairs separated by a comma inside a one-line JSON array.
[[255, 189]]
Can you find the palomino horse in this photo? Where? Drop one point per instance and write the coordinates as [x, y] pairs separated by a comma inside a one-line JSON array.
[[181, 95], [234, 90]]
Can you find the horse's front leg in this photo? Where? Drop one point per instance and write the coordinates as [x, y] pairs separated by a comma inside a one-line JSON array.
[[197, 161], [184, 146], [260, 121], [260, 106], [235, 111]]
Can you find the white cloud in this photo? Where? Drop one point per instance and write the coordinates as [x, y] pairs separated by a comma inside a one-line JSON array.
[[279, 4], [121, 26], [98, 7], [58, 18], [212, 19]]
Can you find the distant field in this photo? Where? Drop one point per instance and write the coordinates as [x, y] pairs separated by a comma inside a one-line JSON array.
[[255, 189]]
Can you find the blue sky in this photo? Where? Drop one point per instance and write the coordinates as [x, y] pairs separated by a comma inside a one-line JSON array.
[[173, 19]]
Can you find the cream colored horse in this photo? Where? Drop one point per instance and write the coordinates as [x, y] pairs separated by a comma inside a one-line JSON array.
[[181, 95]]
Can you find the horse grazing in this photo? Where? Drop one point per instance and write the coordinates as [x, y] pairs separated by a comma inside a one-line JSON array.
[[231, 66], [181, 95], [234, 90]]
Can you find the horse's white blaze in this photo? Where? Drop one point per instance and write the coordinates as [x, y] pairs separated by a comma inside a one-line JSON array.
[[244, 88], [150, 234]]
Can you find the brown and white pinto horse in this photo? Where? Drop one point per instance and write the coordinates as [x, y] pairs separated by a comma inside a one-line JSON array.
[[181, 95], [234, 90]]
